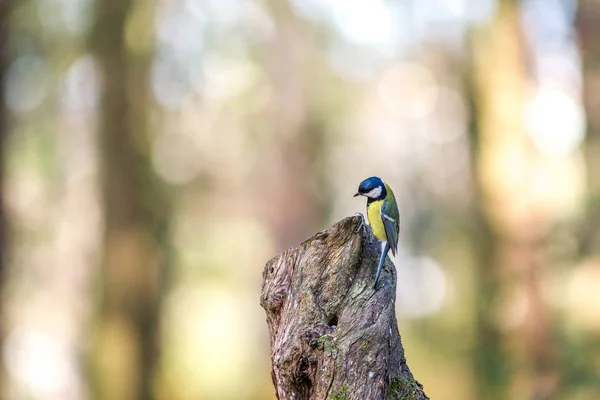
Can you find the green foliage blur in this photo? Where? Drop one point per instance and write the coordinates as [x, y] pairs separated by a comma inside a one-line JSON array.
[[156, 153]]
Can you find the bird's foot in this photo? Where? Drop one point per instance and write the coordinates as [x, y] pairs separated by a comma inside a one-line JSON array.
[[362, 222]]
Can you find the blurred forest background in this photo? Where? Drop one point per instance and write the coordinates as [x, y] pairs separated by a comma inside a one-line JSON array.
[[156, 153]]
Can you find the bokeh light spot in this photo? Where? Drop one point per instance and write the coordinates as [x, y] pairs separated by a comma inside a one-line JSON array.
[[556, 122], [25, 84]]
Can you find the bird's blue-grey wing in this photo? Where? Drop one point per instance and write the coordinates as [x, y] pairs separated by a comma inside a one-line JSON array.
[[390, 218]]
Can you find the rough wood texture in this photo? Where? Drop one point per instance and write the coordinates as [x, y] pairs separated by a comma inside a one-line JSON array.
[[332, 335]]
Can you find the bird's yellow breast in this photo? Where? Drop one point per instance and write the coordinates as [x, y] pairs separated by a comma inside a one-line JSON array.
[[374, 218]]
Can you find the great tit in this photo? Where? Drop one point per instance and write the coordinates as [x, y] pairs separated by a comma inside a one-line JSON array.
[[383, 216]]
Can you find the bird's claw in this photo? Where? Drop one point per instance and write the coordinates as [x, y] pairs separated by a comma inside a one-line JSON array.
[[362, 222]]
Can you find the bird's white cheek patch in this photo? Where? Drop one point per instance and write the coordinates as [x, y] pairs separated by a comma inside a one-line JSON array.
[[374, 193]]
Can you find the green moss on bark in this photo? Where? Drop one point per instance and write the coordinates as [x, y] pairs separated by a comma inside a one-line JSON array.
[[341, 393], [402, 388]]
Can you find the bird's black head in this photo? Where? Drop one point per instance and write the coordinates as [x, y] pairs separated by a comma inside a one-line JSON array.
[[372, 188]]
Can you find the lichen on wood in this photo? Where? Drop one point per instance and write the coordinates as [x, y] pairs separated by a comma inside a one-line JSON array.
[[332, 335]]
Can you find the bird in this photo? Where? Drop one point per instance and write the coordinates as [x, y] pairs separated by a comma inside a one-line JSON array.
[[382, 215]]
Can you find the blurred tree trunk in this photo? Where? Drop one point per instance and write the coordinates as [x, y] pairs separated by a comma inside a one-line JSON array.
[[588, 27], [3, 134], [4, 32], [489, 363], [509, 238], [135, 207], [291, 172]]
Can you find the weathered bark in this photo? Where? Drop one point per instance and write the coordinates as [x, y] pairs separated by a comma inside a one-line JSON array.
[[332, 335]]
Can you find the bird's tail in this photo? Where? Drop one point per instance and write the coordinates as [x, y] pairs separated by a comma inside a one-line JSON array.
[[385, 247]]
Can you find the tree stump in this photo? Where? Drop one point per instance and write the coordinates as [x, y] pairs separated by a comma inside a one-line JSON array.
[[332, 335]]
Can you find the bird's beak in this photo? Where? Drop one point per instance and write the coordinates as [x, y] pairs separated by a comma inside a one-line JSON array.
[[357, 194]]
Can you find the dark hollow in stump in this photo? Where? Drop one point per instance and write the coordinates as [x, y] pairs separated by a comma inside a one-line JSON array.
[[332, 335]]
